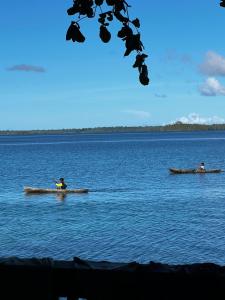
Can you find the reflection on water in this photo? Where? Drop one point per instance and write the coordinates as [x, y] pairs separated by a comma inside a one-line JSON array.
[[61, 196], [58, 196]]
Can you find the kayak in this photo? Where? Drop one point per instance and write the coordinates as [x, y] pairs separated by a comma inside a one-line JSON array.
[[31, 190], [193, 171]]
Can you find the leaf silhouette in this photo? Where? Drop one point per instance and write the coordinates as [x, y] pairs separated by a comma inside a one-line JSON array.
[[99, 2], [136, 23], [104, 34], [74, 34], [143, 77]]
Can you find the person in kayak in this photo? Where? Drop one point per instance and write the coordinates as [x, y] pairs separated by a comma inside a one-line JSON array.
[[202, 167], [61, 184]]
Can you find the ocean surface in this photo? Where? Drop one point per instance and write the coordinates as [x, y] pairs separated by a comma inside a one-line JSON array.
[[135, 210]]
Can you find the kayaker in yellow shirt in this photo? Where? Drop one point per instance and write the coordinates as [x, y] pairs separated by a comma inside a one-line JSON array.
[[61, 184]]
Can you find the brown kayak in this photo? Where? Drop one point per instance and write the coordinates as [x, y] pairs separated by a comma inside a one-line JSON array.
[[193, 171], [30, 190]]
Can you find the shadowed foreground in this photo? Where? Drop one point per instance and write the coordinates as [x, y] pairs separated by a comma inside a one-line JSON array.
[[50, 279]]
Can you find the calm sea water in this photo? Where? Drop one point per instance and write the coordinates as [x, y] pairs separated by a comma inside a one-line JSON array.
[[136, 210]]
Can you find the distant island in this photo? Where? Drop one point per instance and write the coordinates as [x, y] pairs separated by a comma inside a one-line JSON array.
[[178, 126]]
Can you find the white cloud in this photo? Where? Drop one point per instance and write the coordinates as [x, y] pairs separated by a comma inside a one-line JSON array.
[[195, 118], [213, 65], [212, 87], [140, 114]]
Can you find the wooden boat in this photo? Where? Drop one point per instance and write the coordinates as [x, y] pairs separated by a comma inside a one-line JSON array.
[[193, 171], [31, 190]]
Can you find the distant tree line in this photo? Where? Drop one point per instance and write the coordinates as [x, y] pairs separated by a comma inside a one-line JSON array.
[[178, 126]]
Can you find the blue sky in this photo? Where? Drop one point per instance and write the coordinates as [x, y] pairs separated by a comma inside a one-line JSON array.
[[47, 82]]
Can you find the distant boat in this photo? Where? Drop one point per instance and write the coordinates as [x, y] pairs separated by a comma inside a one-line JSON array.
[[193, 171], [31, 190]]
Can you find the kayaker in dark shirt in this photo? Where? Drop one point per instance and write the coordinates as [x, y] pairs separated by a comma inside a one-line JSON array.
[[61, 184], [202, 167]]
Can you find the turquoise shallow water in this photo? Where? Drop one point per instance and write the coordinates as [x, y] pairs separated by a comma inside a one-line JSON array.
[[136, 210]]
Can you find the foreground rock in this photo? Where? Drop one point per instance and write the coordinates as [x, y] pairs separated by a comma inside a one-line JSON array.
[[50, 279]]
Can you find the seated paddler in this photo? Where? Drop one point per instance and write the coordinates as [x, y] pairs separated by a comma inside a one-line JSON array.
[[202, 167], [61, 184]]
